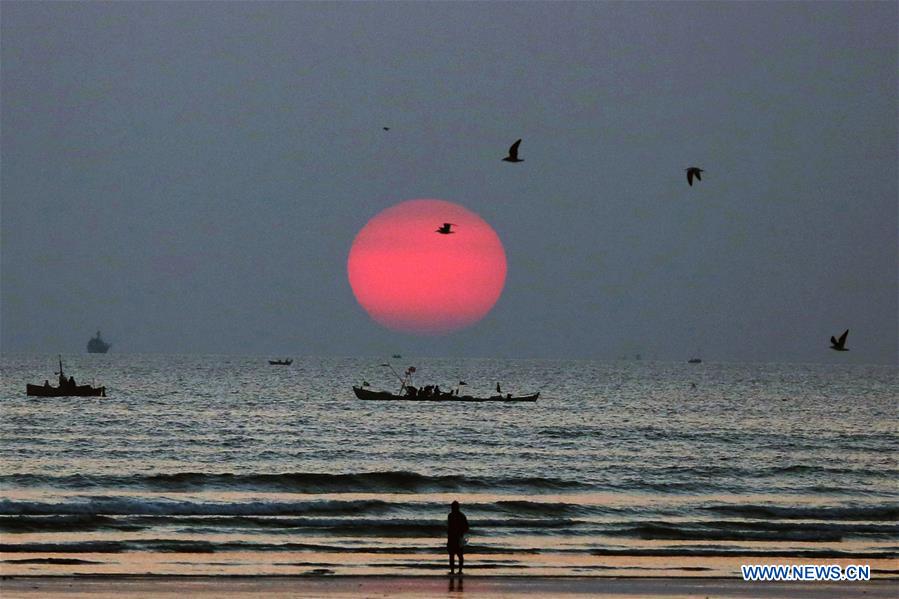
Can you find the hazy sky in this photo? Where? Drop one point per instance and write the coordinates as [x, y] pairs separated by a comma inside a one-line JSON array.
[[188, 177]]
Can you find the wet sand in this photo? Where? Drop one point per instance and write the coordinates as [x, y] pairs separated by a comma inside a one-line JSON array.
[[103, 587]]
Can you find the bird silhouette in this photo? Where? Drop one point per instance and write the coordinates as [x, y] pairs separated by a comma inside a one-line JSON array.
[[445, 229], [513, 153], [694, 171], [839, 344]]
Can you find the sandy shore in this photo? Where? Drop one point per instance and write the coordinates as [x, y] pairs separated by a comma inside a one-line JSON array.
[[73, 587]]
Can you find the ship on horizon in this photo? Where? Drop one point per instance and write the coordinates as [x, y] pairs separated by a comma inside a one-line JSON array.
[[97, 346]]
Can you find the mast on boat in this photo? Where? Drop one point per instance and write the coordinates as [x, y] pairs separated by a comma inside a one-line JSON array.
[[402, 379]]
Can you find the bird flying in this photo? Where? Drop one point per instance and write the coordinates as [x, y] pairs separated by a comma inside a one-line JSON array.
[[694, 171], [445, 229], [839, 344], [513, 153]]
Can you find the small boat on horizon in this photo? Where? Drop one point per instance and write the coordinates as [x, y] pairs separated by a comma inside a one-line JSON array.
[[286, 362], [67, 388], [96, 345], [694, 361]]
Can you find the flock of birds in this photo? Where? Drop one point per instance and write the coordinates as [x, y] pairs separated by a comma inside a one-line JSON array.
[[693, 172]]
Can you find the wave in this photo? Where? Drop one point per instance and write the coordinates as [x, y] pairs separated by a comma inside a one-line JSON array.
[[196, 546], [437, 548], [58, 561], [358, 527], [854, 513], [129, 506], [677, 533], [539, 508], [730, 470], [67, 523], [395, 481], [353, 526], [753, 531], [667, 479], [404, 527], [103, 505]]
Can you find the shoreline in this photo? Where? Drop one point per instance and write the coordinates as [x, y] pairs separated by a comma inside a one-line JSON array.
[[117, 585]]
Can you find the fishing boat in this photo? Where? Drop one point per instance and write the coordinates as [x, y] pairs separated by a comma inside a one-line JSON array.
[[67, 388], [369, 395], [286, 362], [409, 392]]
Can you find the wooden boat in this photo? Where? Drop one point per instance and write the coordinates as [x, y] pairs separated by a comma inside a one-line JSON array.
[[287, 362], [369, 395], [66, 388]]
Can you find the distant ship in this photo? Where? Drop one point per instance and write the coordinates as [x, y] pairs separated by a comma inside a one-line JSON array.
[[97, 346]]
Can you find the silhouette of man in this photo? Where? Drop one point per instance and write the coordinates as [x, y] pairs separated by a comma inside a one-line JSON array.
[[456, 527]]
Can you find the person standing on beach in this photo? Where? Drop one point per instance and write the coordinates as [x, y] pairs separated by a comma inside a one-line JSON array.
[[456, 527]]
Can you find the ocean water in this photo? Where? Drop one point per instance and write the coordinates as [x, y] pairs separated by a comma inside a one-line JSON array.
[[226, 465]]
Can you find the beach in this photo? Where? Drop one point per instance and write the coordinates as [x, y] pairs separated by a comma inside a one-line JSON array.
[[420, 586]]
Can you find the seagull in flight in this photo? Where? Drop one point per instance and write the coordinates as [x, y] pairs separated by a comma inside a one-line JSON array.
[[513, 153], [445, 229], [694, 171], [839, 344]]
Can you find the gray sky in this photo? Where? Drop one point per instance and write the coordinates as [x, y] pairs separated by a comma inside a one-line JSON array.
[[189, 177]]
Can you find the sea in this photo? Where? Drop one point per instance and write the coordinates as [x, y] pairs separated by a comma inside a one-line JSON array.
[[225, 465]]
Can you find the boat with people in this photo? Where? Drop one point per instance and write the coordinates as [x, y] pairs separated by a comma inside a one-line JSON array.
[[413, 394], [67, 388], [409, 392], [286, 362]]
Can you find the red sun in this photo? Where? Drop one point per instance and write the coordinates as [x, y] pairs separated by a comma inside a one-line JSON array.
[[411, 278]]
